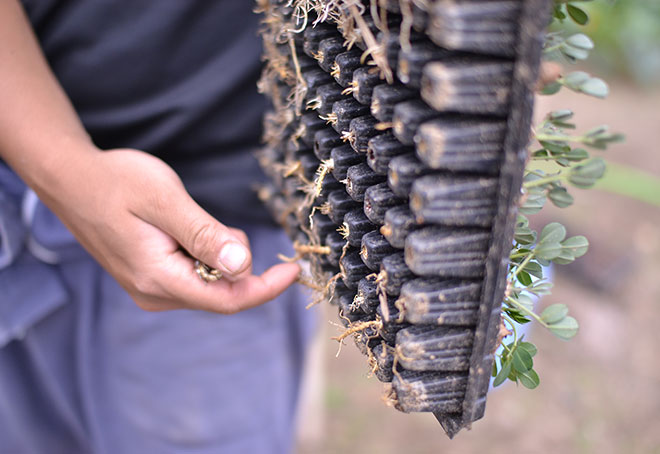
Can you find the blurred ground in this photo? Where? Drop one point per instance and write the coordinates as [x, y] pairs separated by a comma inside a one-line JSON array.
[[600, 392]]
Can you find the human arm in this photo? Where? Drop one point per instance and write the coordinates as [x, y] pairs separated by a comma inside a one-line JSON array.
[[127, 208]]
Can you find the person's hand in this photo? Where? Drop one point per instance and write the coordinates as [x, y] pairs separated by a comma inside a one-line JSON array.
[[129, 209], [132, 213]]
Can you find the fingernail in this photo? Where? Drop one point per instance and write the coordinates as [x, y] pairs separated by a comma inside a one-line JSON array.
[[233, 256]]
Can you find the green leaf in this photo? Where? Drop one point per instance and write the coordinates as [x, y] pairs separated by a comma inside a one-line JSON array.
[[578, 245], [560, 197], [529, 176], [551, 88], [540, 288], [580, 41], [595, 87], [502, 374], [494, 372], [602, 140], [598, 131], [529, 379], [573, 53], [575, 79], [543, 262], [564, 258], [565, 329], [522, 233], [525, 236], [534, 269], [613, 138], [561, 115], [585, 175], [534, 201], [577, 14], [547, 251], [529, 347], [541, 154], [563, 162], [554, 313], [526, 302], [517, 316], [562, 124], [522, 360], [558, 13], [552, 233], [524, 278], [513, 376], [523, 251], [572, 248], [555, 147], [577, 155]]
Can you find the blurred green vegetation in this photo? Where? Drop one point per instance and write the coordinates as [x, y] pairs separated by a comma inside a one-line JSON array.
[[630, 182], [627, 37]]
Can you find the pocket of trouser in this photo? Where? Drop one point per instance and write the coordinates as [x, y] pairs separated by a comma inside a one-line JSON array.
[[29, 291]]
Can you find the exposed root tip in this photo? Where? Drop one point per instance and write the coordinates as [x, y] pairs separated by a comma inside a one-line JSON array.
[[357, 327]]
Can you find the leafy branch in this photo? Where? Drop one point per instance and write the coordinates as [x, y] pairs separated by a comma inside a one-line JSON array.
[[552, 168], [580, 82], [567, 8], [575, 47]]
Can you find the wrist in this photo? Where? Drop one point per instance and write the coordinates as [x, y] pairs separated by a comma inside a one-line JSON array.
[[49, 168]]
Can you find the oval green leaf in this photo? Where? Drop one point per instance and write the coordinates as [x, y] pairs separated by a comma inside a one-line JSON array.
[[560, 114], [529, 347], [547, 251], [576, 78], [573, 53], [522, 360], [581, 41], [554, 313], [585, 175], [595, 87], [577, 245], [529, 379], [560, 197], [577, 154], [564, 258], [534, 269], [566, 329], [502, 374], [552, 233], [551, 88], [533, 203], [524, 278], [555, 147], [577, 14]]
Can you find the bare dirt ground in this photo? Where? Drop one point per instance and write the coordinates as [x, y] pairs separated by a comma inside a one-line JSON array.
[[600, 392]]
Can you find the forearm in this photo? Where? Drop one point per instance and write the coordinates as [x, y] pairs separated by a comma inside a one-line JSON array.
[[41, 136], [127, 208]]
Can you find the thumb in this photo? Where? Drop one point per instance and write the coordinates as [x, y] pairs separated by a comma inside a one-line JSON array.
[[203, 236]]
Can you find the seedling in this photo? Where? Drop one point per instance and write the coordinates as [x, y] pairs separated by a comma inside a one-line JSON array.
[[418, 116]]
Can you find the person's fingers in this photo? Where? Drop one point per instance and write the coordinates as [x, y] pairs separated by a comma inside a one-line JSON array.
[[548, 73], [241, 235], [255, 290], [224, 296], [200, 234]]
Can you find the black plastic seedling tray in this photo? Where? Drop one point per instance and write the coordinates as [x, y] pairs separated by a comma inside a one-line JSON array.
[[400, 183]]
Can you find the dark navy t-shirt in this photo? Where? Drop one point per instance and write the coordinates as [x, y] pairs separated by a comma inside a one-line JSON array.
[[175, 78]]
